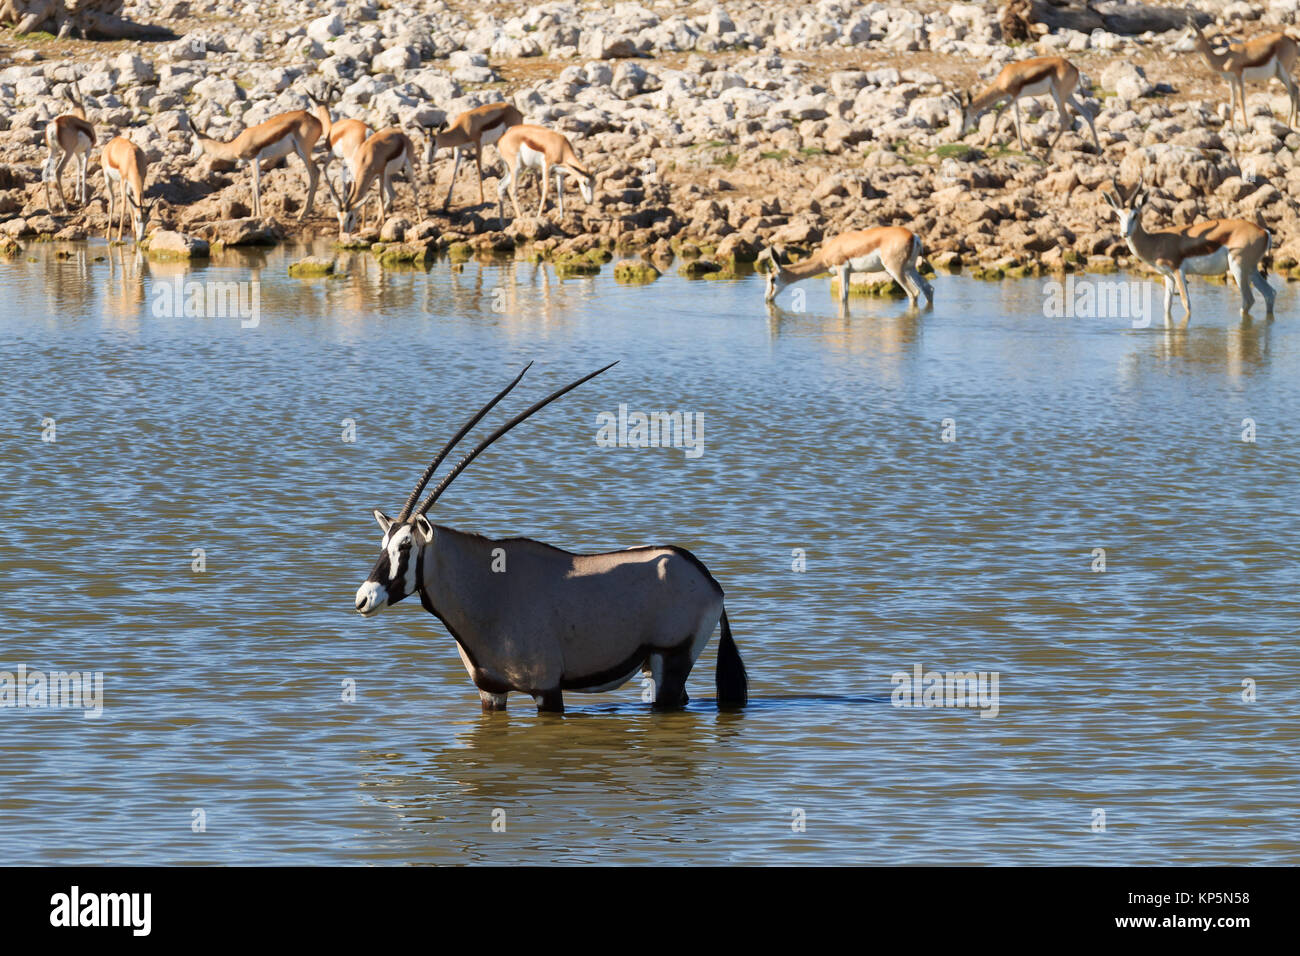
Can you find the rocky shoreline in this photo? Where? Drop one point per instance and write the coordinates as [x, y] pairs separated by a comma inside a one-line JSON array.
[[713, 129]]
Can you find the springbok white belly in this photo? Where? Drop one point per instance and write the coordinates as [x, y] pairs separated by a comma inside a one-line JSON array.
[[492, 133], [1214, 264], [530, 158], [1037, 89], [84, 143], [868, 263], [281, 147], [1265, 71]]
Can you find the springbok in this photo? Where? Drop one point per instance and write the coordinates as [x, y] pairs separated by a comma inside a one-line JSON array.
[[533, 619], [535, 147], [284, 133], [383, 154], [893, 250], [1034, 77], [479, 127], [68, 135], [125, 166], [342, 139], [1264, 57], [1212, 247]]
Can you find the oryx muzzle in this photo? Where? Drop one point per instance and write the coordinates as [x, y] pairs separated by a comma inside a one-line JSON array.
[[534, 619]]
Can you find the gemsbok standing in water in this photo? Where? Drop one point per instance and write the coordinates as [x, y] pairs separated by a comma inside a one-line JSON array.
[[533, 619]]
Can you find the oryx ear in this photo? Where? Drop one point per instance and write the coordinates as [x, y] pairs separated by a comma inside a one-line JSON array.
[[424, 527], [385, 522]]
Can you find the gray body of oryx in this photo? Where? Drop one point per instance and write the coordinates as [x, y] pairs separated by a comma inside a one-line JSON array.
[[534, 619]]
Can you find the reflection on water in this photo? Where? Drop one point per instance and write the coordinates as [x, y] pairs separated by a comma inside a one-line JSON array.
[[225, 689]]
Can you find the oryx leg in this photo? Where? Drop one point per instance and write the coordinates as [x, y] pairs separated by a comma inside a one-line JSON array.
[[549, 701], [492, 702], [670, 691]]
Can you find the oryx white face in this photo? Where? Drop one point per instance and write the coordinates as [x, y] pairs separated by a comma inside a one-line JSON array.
[[394, 576]]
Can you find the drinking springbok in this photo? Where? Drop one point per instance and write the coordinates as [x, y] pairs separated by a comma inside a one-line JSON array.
[[893, 250], [342, 138], [1261, 58], [125, 165], [1034, 77], [1211, 248], [533, 619], [381, 156], [536, 147], [478, 127], [284, 133], [68, 135]]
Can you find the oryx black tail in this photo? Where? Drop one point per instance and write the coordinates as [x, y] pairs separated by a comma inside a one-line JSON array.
[[730, 677]]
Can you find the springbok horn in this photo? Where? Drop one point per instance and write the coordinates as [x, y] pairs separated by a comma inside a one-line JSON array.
[[428, 472], [464, 462], [329, 184]]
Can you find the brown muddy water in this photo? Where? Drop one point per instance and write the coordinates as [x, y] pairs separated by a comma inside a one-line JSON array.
[[225, 735]]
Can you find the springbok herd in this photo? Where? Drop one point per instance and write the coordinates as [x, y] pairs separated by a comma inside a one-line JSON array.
[[369, 158]]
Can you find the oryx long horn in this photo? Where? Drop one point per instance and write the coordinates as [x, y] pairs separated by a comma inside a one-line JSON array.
[[451, 475], [428, 472]]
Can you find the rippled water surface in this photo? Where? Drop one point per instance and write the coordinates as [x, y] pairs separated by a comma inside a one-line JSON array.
[[1119, 691]]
